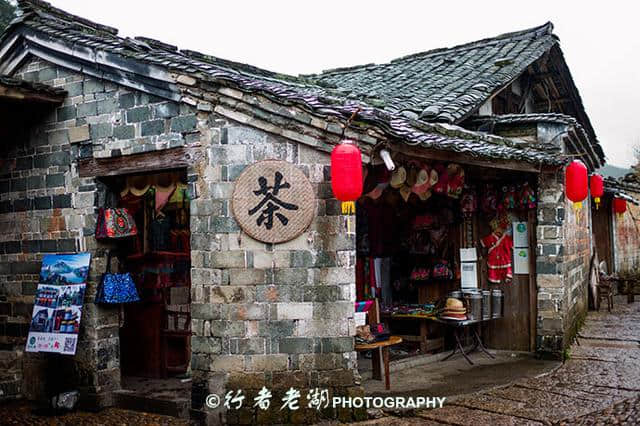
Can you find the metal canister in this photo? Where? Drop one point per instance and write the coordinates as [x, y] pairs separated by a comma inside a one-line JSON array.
[[497, 303], [455, 295], [486, 304], [473, 300]]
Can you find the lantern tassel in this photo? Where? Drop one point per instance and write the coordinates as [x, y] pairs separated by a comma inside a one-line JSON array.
[[348, 207], [597, 200]]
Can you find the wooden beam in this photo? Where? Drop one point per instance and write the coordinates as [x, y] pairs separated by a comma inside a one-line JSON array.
[[138, 163], [435, 155], [16, 94]]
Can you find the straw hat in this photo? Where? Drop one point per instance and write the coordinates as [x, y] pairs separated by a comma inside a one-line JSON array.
[[399, 177]]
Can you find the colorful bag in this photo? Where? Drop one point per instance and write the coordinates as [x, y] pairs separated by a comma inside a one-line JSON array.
[[116, 288], [115, 223]]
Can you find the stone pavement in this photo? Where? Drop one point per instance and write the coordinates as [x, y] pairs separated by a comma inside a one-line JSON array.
[[599, 384]]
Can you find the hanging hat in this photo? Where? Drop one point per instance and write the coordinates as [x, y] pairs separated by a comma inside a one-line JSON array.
[[433, 177], [405, 192], [424, 196], [399, 177], [423, 182], [377, 191]]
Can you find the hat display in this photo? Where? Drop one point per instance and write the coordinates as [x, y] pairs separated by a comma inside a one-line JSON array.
[[399, 177], [454, 310]]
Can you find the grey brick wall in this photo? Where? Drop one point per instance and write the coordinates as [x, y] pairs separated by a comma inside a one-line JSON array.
[[263, 315], [562, 264], [45, 207]]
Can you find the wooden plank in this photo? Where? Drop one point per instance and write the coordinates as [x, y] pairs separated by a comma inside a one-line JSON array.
[[26, 95], [435, 155], [139, 163], [533, 285]]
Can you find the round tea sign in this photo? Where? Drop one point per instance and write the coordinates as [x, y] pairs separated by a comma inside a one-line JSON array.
[[273, 201]]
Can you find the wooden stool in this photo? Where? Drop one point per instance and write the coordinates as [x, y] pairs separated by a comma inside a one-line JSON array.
[[384, 345]]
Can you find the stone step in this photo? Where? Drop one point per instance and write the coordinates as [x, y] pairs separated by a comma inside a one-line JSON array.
[[132, 400]]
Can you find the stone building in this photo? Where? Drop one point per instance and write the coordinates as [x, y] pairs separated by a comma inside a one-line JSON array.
[[84, 105]]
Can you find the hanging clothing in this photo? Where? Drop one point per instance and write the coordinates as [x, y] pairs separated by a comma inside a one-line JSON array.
[[381, 226], [382, 268], [500, 250]]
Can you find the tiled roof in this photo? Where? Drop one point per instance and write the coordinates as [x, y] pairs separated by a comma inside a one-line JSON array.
[[79, 35], [443, 84], [544, 118], [28, 86]]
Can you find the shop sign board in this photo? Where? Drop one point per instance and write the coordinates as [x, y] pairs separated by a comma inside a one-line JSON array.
[[273, 201], [57, 309]]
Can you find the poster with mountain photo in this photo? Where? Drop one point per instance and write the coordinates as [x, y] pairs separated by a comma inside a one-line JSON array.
[[57, 308]]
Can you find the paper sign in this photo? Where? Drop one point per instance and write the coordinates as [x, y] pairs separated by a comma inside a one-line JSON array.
[[520, 234], [521, 260]]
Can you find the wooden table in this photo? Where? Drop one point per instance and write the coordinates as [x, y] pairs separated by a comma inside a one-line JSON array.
[[426, 344], [384, 345]]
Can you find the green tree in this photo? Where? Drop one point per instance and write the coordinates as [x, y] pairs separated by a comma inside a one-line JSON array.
[[7, 13]]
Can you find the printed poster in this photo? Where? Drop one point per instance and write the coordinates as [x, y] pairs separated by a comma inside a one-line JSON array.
[[57, 310]]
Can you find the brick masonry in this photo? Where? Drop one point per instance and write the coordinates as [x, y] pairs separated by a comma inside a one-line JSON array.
[[562, 265], [263, 315], [627, 237]]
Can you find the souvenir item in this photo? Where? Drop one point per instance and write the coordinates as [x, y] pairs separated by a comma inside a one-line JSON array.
[[423, 184], [116, 288], [509, 197], [500, 252], [468, 202], [454, 310], [489, 199], [527, 197], [420, 274], [442, 271], [380, 331], [398, 178], [115, 223], [455, 174], [443, 179], [363, 335]]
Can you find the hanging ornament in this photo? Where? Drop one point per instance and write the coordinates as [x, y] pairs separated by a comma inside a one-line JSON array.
[[346, 176], [468, 202], [527, 197], [619, 206], [577, 183], [596, 184]]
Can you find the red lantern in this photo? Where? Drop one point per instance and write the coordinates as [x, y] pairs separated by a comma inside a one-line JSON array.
[[577, 183], [619, 205], [597, 188], [346, 174]]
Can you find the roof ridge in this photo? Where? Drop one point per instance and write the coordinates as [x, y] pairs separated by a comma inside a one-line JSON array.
[[44, 9], [545, 29]]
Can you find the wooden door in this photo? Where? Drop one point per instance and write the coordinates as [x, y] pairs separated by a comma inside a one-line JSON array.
[[516, 330], [601, 228]]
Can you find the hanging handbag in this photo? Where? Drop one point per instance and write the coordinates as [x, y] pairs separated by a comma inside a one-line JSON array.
[[115, 222], [116, 288]]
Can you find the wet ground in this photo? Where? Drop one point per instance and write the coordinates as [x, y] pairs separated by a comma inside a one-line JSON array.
[[598, 385]]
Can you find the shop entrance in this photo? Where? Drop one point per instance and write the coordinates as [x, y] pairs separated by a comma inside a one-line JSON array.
[[155, 332], [413, 226]]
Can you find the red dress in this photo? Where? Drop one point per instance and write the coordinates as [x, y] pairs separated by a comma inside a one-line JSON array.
[[499, 257]]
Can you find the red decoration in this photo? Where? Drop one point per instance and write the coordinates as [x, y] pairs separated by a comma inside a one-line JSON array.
[[619, 205], [596, 183], [346, 174], [577, 183]]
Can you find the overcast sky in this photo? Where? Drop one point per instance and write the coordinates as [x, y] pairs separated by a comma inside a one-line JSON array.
[[601, 43]]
